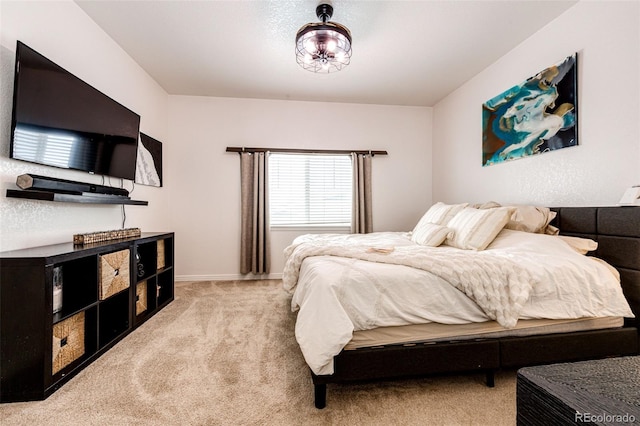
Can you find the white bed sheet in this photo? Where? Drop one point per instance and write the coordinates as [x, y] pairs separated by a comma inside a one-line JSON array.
[[337, 295]]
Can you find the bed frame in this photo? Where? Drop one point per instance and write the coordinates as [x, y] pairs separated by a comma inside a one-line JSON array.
[[617, 231]]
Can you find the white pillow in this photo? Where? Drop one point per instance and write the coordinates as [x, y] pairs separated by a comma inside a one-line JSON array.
[[440, 214], [475, 229], [581, 245], [487, 205], [430, 234], [530, 219], [527, 218]]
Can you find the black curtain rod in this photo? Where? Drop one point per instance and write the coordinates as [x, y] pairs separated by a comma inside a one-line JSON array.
[[305, 151]]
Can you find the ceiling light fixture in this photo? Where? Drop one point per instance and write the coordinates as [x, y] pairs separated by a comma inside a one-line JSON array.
[[323, 46]]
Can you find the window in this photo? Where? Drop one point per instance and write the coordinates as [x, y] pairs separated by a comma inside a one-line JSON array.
[[310, 190]]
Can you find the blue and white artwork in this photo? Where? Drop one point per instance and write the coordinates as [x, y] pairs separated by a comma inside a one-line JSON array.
[[536, 116]]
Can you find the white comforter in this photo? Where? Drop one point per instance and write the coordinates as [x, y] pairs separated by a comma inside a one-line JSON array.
[[343, 283]]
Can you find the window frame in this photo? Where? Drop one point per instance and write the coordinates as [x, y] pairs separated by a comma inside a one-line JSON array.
[[313, 227]]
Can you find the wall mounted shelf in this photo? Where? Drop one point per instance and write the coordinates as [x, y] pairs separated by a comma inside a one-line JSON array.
[[89, 198]]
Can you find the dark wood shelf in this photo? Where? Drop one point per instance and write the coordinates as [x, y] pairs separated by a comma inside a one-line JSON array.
[[41, 350], [72, 198]]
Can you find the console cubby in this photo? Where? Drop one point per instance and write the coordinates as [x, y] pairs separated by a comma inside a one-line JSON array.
[[164, 254], [90, 347], [41, 350], [79, 285], [165, 287], [113, 318], [155, 282], [145, 259], [145, 298]]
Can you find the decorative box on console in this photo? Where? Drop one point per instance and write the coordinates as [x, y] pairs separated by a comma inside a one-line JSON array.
[[114, 273], [96, 237], [68, 341]]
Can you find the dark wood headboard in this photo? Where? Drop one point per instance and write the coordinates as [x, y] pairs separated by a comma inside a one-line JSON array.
[[617, 231]]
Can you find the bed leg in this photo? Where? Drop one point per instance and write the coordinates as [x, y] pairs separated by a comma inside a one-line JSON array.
[[491, 382], [320, 394]]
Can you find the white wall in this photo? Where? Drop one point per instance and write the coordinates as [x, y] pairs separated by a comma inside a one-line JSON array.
[[62, 32], [205, 195], [202, 180], [606, 35]]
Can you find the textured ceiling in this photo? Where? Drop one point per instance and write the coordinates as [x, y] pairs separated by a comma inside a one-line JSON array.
[[404, 52]]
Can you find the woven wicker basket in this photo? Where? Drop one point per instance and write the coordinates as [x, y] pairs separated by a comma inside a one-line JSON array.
[[68, 341], [141, 297], [114, 273], [161, 261]]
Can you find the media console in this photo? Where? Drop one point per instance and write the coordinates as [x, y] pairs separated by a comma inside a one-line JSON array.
[[108, 289]]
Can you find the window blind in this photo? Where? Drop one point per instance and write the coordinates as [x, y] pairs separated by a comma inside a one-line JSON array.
[[310, 189]]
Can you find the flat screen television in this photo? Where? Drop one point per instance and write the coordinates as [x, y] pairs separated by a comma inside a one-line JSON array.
[[59, 120]]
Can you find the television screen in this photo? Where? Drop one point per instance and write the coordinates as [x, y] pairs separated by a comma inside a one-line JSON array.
[[61, 121]]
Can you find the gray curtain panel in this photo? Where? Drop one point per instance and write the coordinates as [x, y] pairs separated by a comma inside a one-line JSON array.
[[255, 254], [362, 222]]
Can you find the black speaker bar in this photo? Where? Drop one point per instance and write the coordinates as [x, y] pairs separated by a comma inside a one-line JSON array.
[[45, 183]]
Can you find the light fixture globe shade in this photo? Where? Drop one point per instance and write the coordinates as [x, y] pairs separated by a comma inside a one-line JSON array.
[[311, 45], [328, 43]]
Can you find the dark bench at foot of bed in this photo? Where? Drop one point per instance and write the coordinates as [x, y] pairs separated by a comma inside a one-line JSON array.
[[590, 392]]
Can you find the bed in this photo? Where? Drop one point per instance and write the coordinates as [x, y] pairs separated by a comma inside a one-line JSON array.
[[463, 329]]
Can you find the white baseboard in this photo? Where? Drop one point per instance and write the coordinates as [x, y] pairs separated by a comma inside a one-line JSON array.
[[227, 277]]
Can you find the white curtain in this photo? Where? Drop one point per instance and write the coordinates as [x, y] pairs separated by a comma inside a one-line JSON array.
[[255, 254], [362, 221]]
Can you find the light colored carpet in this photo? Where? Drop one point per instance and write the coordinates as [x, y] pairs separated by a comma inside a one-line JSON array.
[[224, 353]]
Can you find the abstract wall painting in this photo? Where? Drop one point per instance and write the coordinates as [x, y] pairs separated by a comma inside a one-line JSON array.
[[539, 115], [149, 162]]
